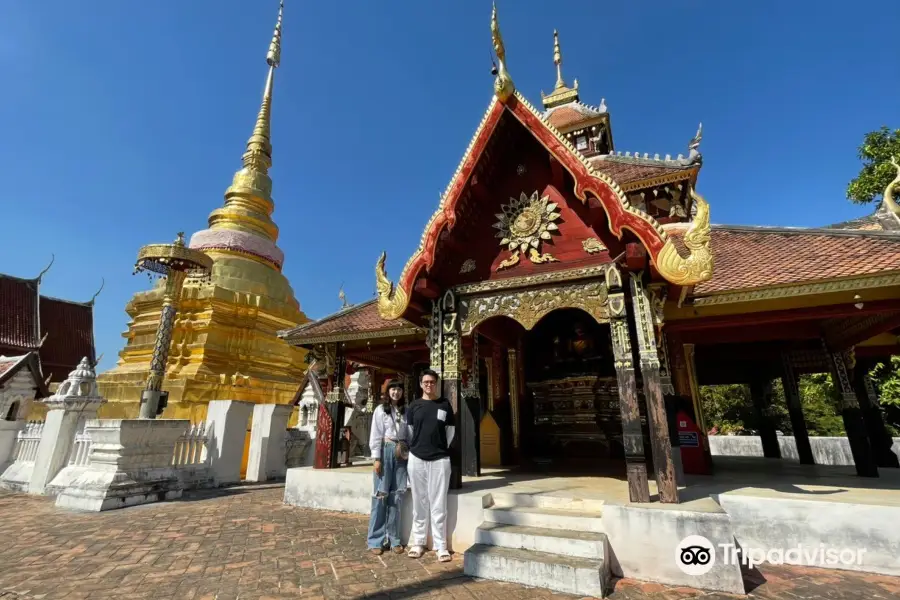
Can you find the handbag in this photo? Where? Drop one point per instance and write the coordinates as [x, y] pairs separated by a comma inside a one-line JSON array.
[[401, 448]]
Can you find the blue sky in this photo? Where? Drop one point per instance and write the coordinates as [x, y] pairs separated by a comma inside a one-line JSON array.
[[123, 121]]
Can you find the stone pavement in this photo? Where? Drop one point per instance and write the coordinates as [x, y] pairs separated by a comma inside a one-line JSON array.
[[244, 543]]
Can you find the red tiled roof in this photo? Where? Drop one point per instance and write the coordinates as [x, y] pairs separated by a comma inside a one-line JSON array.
[[70, 335], [626, 172], [565, 116], [18, 313], [749, 257], [363, 318]]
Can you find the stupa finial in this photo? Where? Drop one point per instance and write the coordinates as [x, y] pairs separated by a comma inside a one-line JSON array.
[[259, 147], [557, 60]]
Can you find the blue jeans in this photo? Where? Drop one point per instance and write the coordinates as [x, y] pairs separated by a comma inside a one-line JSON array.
[[387, 499]]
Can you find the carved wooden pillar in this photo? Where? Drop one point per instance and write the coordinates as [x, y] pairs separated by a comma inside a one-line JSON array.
[[795, 409], [868, 401], [471, 443], [852, 416], [656, 409], [761, 396], [446, 361], [632, 439], [330, 419]]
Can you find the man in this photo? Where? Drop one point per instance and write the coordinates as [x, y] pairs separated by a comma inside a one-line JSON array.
[[431, 427]]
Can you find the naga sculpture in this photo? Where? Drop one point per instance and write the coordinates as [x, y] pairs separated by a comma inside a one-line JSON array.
[[392, 301], [889, 191], [698, 266], [503, 85]]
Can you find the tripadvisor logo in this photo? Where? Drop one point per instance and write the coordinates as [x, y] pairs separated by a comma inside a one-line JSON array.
[[695, 555]]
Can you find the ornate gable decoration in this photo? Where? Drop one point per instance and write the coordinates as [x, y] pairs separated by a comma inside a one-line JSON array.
[[523, 224], [671, 265]]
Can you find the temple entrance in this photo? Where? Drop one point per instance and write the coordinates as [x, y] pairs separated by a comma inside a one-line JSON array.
[[571, 400], [552, 396]]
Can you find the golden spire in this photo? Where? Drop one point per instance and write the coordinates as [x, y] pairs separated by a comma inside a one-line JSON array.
[[561, 94], [503, 85], [259, 147], [557, 60]]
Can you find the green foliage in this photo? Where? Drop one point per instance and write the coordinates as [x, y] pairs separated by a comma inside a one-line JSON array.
[[886, 378], [728, 409], [875, 152]]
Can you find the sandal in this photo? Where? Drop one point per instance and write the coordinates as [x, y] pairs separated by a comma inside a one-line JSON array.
[[415, 552], [376, 551], [444, 556], [397, 549]]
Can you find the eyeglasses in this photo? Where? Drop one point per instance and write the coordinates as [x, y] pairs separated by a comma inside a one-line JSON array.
[[429, 383]]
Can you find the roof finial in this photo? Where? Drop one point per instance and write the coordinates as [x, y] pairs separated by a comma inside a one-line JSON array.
[[694, 144], [557, 60], [44, 272], [259, 147], [343, 297], [94, 297], [503, 85]]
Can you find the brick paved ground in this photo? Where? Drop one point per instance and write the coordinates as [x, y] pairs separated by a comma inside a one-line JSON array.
[[244, 543]]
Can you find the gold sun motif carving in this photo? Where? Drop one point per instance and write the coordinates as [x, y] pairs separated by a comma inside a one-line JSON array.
[[523, 225]]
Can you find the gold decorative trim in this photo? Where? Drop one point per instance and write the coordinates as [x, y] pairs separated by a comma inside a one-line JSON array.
[[392, 301], [674, 177], [353, 336], [530, 280], [699, 264], [593, 246], [529, 306], [800, 289]]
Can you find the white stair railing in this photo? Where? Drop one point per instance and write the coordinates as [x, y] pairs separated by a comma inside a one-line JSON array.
[[190, 449], [28, 440], [81, 449]]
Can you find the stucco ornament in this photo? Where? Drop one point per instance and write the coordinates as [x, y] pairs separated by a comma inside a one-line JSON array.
[[524, 223]]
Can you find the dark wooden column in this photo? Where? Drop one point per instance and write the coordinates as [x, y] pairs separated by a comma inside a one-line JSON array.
[[761, 396], [795, 409], [657, 420], [632, 440], [879, 437], [464, 448], [854, 425]]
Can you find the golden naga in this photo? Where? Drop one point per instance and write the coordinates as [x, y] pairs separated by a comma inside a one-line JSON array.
[[503, 85], [698, 265], [889, 191], [392, 301]]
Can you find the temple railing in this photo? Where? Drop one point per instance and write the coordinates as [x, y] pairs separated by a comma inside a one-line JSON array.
[[190, 449], [27, 442], [81, 449]]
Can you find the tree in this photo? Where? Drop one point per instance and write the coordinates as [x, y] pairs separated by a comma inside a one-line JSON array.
[[875, 152], [886, 378]]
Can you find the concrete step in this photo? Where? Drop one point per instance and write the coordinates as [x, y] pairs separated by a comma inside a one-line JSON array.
[[545, 518], [579, 544], [538, 500], [568, 574]]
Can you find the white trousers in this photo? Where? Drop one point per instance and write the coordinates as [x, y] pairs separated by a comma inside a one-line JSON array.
[[430, 482]]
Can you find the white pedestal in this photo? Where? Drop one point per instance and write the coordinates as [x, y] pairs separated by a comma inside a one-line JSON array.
[[8, 432], [130, 463], [62, 423], [267, 442]]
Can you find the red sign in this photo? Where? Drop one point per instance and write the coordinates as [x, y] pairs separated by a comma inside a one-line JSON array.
[[690, 437]]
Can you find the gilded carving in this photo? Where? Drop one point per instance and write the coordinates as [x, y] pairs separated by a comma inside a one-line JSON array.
[[435, 336], [530, 280], [467, 267], [613, 277], [529, 306], [525, 222], [392, 300], [593, 246], [845, 387], [621, 343], [644, 323], [698, 265], [503, 85], [473, 379], [617, 304]]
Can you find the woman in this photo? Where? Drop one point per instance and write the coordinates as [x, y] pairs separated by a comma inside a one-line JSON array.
[[390, 451]]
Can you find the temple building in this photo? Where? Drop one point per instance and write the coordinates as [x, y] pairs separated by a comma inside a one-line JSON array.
[[59, 332], [224, 344], [575, 297]]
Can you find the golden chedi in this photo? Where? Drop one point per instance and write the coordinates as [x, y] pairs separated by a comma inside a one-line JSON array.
[[224, 346]]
